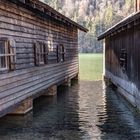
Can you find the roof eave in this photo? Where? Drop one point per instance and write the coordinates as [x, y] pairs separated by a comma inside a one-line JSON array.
[[50, 11], [124, 22]]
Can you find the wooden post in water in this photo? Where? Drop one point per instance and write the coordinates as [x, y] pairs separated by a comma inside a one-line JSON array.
[[24, 107], [103, 74], [51, 91], [76, 77], [67, 82]]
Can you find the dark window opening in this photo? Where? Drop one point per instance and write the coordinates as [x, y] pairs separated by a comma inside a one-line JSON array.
[[60, 53], [123, 60], [41, 53]]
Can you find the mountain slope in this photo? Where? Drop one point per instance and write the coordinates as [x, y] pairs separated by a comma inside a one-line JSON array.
[[96, 15]]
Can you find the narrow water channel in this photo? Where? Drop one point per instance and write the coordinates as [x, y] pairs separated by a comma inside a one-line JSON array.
[[86, 111]]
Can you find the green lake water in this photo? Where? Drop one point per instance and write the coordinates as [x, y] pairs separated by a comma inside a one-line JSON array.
[[91, 67]]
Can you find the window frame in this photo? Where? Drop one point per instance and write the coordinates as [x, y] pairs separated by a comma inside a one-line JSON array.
[[9, 55], [61, 53], [123, 59], [40, 53]]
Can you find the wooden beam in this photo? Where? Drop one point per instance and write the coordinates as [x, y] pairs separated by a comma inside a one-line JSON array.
[[24, 107], [51, 91]]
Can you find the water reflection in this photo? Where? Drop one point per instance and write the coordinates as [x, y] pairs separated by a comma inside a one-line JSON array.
[[122, 121], [86, 111]]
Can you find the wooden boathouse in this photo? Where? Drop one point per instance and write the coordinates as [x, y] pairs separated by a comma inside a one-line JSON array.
[[38, 51], [122, 56]]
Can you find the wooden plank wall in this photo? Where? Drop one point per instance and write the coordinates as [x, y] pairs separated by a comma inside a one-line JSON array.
[[21, 84], [26, 28], [128, 80], [128, 40]]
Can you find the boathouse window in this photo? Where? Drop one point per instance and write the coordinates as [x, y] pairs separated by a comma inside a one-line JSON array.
[[41, 53], [7, 55], [50, 46], [60, 53], [123, 59]]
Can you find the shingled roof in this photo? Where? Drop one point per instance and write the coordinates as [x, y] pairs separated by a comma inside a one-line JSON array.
[[46, 11]]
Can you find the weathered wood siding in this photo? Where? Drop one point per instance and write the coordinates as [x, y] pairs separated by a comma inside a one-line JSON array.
[[25, 27], [129, 79], [18, 85]]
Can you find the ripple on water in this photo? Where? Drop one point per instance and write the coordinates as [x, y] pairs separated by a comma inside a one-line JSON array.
[[86, 111]]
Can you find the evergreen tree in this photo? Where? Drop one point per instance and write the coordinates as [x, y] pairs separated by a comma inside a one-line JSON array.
[[96, 15]]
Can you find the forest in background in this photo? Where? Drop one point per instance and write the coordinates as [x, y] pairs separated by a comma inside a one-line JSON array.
[[96, 15]]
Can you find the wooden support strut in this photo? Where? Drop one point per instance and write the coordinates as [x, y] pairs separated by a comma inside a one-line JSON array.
[[51, 91], [67, 82], [76, 77], [24, 107]]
